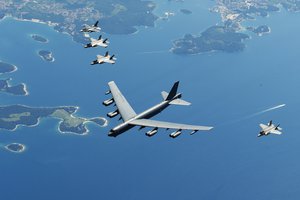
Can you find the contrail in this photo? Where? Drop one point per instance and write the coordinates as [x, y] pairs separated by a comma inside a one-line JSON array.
[[254, 115], [267, 110], [152, 52]]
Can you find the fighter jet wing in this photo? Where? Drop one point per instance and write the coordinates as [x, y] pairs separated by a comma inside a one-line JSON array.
[[123, 106], [263, 126], [276, 132], [168, 125]]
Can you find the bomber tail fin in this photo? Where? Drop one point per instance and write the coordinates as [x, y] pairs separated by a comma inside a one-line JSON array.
[[96, 24], [173, 91]]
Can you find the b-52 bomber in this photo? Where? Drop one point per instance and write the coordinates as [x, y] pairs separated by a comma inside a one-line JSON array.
[[104, 59], [268, 129], [91, 28], [131, 119], [97, 42]]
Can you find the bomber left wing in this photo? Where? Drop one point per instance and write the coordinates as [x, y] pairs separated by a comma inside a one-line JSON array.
[[168, 125], [125, 110]]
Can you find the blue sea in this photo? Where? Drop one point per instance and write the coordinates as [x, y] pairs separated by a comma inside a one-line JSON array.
[[227, 91]]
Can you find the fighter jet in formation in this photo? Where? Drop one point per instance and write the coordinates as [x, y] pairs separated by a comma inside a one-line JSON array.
[[97, 42], [268, 129], [131, 119], [104, 59], [91, 28]]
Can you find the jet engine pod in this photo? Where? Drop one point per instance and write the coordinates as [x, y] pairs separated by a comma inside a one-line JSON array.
[[107, 92], [175, 134], [152, 132], [112, 114], [108, 102]]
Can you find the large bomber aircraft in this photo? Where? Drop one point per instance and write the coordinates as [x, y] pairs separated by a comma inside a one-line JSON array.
[[104, 59], [97, 42], [131, 119], [92, 28], [270, 128]]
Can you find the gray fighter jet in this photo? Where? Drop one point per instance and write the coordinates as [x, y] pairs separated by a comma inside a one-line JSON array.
[[270, 128], [104, 59], [90, 29], [97, 42], [131, 119]]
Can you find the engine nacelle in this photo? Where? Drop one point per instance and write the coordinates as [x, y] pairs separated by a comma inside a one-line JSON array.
[[112, 114], [193, 132], [152, 132], [107, 92], [175, 134], [108, 102]]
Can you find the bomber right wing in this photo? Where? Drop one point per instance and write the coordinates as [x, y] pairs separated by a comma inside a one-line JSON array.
[[168, 125], [125, 110]]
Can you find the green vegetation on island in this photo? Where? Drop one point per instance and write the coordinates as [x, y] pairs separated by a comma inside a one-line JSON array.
[[19, 89], [46, 55], [15, 147], [39, 38], [15, 115], [215, 38]]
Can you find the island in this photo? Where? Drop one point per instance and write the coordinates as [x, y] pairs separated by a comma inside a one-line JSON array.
[[186, 11], [46, 55], [260, 30], [229, 35], [15, 147], [7, 68], [13, 116], [19, 89], [215, 38], [115, 16], [39, 38]]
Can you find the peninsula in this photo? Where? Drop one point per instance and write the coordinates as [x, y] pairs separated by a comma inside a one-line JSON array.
[[115, 16]]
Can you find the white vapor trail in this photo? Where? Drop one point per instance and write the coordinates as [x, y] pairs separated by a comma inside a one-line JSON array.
[[255, 114], [153, 52], [267, 110]]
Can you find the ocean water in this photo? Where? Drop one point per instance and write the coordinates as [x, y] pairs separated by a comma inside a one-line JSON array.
[[229, 162]]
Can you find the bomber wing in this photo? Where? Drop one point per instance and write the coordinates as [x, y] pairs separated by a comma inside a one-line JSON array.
[[123, 106], [168, 125]]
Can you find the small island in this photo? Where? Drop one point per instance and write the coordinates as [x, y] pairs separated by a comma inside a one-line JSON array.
[[46, 55], [215, 38], [11, 117], [7, 68], [19, 89], [39, 38], [261, 30], [15, 147], [186, 11]]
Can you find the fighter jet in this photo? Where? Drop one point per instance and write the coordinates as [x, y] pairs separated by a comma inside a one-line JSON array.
[[97, 42], [131, 119], [89, 29], [104, 59], [270, 128]]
